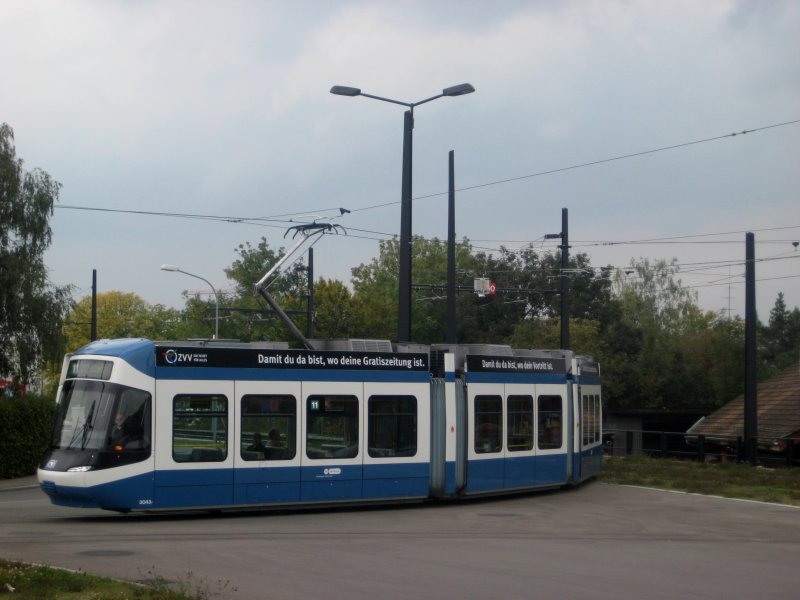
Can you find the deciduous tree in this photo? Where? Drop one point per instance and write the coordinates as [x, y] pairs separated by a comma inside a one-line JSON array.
[[31, 308], [250, 318], [119, 315]]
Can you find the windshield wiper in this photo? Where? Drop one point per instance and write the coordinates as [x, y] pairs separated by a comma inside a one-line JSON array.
[[88, 425]]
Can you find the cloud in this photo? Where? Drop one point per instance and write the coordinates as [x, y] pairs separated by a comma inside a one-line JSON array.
[[224, 108]]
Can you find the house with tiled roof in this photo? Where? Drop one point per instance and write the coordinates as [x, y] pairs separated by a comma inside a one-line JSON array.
[[778, 404]]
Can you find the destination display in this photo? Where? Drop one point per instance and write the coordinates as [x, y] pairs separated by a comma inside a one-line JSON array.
[[589, 368], [516, 364], [249, 358]]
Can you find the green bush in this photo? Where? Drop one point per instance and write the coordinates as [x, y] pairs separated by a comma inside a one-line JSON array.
[[26, 424]]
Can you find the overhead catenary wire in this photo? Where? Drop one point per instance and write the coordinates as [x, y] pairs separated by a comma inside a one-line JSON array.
[[279, 221], [683, 239], [281, 218], [595, 162]]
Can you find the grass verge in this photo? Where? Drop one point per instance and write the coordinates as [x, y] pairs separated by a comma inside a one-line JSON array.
[[730, 480], [28, 582]]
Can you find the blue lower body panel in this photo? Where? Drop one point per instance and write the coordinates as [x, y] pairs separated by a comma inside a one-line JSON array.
[[126, 494], [520, 471], [551, 469], [403, 480], [591, 461], [485, 475], [450, 478], [576, 467], [513, 473], [266, 485], [193, 488], [331, 483]]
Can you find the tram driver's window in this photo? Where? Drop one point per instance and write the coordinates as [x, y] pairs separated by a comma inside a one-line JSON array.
[[550, 422], [199, 428], [488, 424], [268, 427], [331, 427], [392, 426], [131, 429]]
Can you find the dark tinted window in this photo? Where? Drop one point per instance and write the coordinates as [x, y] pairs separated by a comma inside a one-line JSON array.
[[488, 424], [268, 427], [331, 426], [392, 426], [520, 423], [200, 428], [550, 435]]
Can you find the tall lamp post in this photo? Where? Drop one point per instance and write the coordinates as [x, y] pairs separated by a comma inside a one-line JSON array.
[[404, 310], [213, 289]]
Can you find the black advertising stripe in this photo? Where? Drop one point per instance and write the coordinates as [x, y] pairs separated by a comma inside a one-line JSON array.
[[516, 364], [168, 356]]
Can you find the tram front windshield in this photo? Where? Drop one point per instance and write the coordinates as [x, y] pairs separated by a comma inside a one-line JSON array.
[[98, 415]]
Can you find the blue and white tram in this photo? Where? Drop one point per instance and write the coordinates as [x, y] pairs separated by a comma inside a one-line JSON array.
[[217, 425]]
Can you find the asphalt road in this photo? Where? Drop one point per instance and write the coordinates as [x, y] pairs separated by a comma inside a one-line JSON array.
[[597, 541]]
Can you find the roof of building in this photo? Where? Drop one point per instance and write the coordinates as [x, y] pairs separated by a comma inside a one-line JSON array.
[[778, 404]]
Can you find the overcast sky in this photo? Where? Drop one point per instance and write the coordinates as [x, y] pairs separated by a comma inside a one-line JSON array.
[[222, 108]]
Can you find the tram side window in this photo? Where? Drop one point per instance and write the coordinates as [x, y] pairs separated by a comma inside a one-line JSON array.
[[392, 426], [199, 428], [520, 423], [331, 427], [586, 421], [550, 422], [598, 418], [488, 424], [268, 427]]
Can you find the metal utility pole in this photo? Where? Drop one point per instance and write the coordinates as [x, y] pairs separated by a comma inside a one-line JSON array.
[[310, 302], [564, 236], [404, 308], [404, 305], [564, 279], [94, 305], [750, 384], [450, 336]]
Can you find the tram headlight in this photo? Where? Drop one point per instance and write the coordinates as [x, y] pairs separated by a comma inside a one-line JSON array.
[[82, 469]]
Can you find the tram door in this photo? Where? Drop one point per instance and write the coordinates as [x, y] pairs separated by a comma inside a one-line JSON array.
[[520, 464], [552, 420], [332, 446], [194, 437], [485, 437], [269, 418], [516, 436], [396, 440]]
